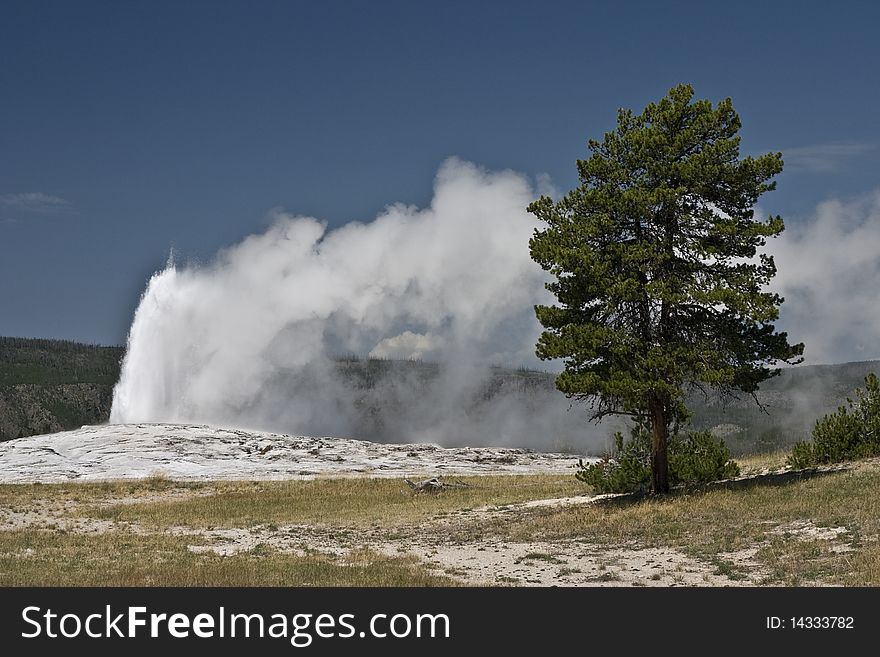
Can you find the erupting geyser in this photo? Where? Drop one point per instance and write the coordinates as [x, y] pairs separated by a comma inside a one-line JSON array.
[[251, 339]]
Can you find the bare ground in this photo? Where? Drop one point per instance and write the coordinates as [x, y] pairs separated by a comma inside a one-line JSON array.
[[453, 545], [460, 544]]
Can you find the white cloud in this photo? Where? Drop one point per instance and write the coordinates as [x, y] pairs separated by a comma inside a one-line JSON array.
[[823, 158], [34, 202]]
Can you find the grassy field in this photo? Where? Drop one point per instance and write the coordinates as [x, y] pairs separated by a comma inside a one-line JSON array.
[[821, 530], [354, 501], [60, 547], [120, 558], [358, 531]]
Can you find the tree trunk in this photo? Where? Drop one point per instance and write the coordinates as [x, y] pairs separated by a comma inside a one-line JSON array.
[[659, 463]]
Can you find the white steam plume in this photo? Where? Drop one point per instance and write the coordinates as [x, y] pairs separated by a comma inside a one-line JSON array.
[[829, 273], [250, 340]]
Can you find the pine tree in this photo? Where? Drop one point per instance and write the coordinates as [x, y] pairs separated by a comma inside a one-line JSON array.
[[657, 270]]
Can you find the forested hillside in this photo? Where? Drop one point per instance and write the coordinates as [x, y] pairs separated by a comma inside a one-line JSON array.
[[53, 385]]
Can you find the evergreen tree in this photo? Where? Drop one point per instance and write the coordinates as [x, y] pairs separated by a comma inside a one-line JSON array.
[[656, 267]]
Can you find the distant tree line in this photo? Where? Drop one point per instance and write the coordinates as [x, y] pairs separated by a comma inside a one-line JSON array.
[[54, 362]]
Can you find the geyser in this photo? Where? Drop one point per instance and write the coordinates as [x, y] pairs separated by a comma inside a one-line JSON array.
[[253, 338]]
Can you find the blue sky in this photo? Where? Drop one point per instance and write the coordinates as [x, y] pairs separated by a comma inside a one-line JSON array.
[[130, 127]]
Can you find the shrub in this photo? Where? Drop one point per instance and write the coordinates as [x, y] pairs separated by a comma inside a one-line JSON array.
[[851, 432], [698, 457], [626, 470], [695, 457]]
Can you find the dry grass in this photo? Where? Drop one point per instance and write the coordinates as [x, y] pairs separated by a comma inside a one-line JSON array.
[[716, 522], [352, 501], [766, 462], [824, 530], [118, 558], [45, 554], [12, 495]]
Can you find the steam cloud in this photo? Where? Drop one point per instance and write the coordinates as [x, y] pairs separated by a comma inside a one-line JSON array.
[[251, 340], [829, 273]]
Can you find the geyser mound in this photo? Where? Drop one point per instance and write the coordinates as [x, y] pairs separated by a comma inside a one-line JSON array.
[[203, 453]]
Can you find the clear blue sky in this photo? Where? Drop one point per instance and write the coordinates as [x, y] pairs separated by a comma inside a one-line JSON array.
[[129, 127]]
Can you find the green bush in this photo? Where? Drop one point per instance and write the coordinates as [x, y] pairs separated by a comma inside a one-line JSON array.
[[851, 432], [695, 457], [698, 457], [626, 470]]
